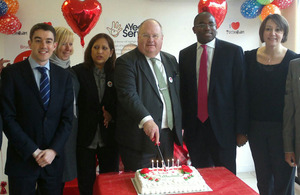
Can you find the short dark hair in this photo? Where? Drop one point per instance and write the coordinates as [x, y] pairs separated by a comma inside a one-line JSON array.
[[203, 13], [42, 26], [110, 63], [280, 21]]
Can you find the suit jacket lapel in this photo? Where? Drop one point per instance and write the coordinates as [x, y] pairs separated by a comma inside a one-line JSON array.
[[214, 66], [170, 71], [193, 69], [171, 74], [54, 84], [91, 83], [168, 68], [144, 66], [30, 80]]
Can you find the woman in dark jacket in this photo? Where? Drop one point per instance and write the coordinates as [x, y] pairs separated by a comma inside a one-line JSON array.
[[97, 110]]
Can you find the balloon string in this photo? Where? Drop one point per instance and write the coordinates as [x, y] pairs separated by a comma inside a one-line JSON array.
[[82, 41]]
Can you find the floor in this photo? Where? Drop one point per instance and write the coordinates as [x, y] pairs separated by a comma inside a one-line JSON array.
[[250, 179]]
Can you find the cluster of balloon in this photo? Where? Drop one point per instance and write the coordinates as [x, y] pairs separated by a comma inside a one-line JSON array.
[[262, 8], [81, 15], [9, 23], [218, 8]]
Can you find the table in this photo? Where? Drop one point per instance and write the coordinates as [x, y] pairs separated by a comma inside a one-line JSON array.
[[71, 188], [219, 179]]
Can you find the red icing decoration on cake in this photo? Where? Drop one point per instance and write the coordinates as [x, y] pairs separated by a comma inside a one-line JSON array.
[[186, 169], [145, 171]]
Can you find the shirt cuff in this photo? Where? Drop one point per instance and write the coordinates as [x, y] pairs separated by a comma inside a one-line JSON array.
[[36, 152], [144, 120]]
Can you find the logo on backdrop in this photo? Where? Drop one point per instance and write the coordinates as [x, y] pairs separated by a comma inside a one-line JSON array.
[[20, 33], [235, 25], [129, 30], [115, 29], [234, 28], [22, 56]]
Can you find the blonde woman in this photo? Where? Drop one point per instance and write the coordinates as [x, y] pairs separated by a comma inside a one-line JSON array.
[[61, 57]]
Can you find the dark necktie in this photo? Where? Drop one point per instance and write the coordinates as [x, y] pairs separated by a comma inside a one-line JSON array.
[[44, 86], [202, 87], [165, 92]]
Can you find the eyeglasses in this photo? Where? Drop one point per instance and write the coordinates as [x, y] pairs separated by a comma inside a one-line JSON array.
[[147, 36], [204, 25]]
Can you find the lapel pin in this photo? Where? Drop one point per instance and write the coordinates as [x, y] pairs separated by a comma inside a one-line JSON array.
[[109, 84], [171, 79]]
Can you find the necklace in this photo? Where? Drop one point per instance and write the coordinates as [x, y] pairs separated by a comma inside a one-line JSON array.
[[269, 58]]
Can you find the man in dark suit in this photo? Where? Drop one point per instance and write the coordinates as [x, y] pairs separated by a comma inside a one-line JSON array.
[[149, 104], [212, 141], [36, 128]]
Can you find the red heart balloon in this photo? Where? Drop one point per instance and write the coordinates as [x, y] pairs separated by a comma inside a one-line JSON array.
[[81, 15], [218, 8]]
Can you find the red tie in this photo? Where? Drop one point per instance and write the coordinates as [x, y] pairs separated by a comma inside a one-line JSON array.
[[202, 87]]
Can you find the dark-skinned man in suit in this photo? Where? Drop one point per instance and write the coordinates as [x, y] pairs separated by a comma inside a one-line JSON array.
[[211, 137]]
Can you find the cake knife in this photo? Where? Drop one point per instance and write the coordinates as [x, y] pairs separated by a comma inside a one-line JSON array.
[[161, 156]]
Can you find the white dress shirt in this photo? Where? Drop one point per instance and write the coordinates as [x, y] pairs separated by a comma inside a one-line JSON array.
[[164, 123]]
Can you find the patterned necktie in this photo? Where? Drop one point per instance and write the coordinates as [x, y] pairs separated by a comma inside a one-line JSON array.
[[44, 86], [202, 87], [163, 88]]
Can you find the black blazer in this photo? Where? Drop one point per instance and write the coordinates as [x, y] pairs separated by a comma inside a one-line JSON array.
[[90, 112], [138, 97], [27, 125], [227, 97]]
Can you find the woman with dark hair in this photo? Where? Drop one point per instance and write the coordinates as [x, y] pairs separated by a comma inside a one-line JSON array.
[[267, 68], [97, 110]]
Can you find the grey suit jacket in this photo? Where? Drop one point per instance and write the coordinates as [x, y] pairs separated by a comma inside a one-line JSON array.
[[291, 112], [138, 97]]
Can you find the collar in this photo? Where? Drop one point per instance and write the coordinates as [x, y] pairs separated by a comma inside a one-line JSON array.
[[157, 57], [98, 71], [34, 64], [210, 44]]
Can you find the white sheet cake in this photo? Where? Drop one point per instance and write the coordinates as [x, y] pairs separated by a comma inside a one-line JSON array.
[[177, 179]]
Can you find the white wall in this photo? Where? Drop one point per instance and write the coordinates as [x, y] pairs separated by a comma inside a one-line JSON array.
[[176, 17], [292, 15]]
